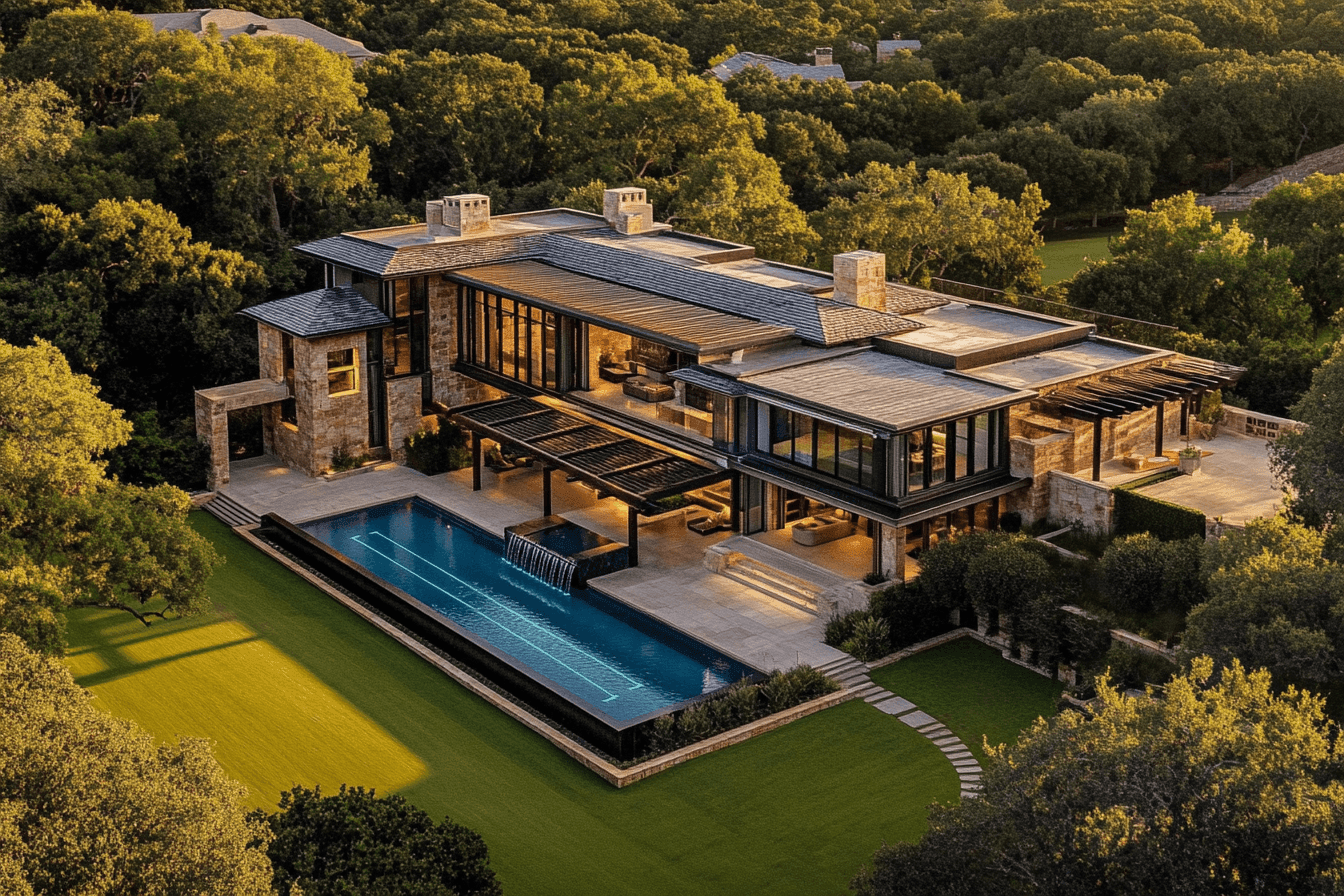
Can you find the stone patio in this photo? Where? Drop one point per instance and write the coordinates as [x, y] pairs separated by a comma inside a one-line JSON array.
[[1233, 482]]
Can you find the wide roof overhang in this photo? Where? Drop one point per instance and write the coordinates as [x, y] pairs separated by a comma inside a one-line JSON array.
[[599, 455]]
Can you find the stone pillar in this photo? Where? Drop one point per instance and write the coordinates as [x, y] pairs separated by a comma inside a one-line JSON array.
[[893, 551], [212, 428]]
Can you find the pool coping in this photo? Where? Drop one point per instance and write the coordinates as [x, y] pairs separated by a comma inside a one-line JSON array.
[[612, 774]]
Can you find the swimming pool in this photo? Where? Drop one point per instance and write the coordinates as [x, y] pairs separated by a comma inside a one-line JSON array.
[[620, 665]]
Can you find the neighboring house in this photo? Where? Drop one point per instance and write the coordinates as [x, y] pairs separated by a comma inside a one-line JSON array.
[[1238, 196], [644, 361], [231, 22], [887, 49], [822, 68]]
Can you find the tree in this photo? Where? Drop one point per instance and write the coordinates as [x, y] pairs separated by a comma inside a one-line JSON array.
[[625, 121], [1222, 787], [1311, 462], [38, 129], [935, 226], [738, 195], [1175, 265], [1307, 218], [91, 804], [127, 293], [455, 121], [355, 842], [68, 536]]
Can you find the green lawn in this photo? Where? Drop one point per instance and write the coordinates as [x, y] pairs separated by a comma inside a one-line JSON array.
[[291, 687], [971, 689], [1065, 257]]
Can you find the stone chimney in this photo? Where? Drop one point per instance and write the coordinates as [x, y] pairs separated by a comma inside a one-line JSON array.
[[627, 210], [822, 56], [462, 215], [861, 279]]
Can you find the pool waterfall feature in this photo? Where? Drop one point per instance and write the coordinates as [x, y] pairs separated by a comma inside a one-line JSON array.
[[590, 664], [561, 553]]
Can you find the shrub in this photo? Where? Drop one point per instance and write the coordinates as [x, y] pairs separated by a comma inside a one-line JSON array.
[[871, 639], [909, 614], [1005, 575], [942, 570], [874, 578], [1141, 574], [437, 450], [1084, 639], [158, 455], [841, 628], [1135, 513], [342, 459], [1130, 667], [696, 723]]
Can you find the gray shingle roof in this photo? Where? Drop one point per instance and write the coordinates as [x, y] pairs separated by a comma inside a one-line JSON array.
[[231, 22], [777, 67], [321, 312], [815, 319]]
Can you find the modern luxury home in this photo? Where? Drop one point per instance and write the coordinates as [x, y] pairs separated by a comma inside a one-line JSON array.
[[645, 362]]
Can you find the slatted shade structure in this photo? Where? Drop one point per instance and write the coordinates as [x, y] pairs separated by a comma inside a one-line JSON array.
[[606, 458], [1127, 392]]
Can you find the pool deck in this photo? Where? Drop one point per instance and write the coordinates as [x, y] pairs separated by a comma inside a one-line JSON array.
[[670, 584]]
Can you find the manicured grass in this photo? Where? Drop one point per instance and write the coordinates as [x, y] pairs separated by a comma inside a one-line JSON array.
[[292, 688], [973, 690], [1065, 257]]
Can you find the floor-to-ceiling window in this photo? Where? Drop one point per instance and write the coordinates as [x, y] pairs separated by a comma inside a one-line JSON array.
[[519, 341], [936, 455], [827, 448]]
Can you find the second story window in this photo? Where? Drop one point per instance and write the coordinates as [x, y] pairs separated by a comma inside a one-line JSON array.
[[832, 450], [341, 374]]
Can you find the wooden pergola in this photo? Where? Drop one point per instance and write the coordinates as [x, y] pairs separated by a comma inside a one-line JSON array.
[[613, 462], [1112, 397]]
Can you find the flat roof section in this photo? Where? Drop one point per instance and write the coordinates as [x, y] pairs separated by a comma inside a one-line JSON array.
[[884, 390], [961, 335], [1068, 362], [685, 327]]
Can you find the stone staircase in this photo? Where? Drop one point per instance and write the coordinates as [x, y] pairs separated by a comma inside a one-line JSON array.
[[852, 674], [772, 572], [230, 512]]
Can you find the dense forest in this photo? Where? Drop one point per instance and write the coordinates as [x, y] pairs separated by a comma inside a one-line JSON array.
[[152, 184]]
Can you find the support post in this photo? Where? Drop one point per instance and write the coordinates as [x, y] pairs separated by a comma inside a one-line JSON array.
[[994, 512], [925, 529], [1096, 450], [632, 535], [1185, 417], [545, 490], [475, 461], [877, 549], [1161, 407], [735, 502]]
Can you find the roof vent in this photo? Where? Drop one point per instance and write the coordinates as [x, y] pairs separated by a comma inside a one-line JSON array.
[[627, 209], [861, 279], [462, 215], [822, 56]]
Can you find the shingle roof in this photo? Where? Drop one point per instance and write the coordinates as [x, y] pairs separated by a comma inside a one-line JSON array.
[[321, 312], [777, 67], [231, 22], [815, 319]]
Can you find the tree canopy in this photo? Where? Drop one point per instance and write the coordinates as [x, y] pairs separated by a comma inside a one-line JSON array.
[[1311, 462], [1222, 786], [355, 842], [91, 804]]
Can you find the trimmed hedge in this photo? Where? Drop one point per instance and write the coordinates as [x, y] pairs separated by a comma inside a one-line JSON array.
[[1135, 513]]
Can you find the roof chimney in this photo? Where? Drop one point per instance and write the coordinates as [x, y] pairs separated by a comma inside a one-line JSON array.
[[822, 56], [861, 279], [627, 209], [463, 215]]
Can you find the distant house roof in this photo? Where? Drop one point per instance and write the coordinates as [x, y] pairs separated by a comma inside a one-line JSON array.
[[777, 67], [888, 48], [232, 22], [322, 312]]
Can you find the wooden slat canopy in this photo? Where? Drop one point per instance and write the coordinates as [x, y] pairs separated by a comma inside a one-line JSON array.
[[606, 458]]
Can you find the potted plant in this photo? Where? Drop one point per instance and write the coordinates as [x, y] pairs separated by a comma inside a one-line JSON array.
[[1188, 459]]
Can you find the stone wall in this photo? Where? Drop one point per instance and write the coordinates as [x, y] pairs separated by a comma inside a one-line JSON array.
[[403, 413], [450, 387], [1034, 459], [1082, 502], [1261, 426], [325, 421]]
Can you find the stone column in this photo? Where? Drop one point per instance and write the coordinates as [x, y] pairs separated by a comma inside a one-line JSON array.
[[212, 428], [893, 551]]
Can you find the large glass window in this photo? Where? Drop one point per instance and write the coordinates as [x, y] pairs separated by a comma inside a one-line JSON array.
[[406, 349], [515, 339], [950, 451], [341, 373], [817, 444]]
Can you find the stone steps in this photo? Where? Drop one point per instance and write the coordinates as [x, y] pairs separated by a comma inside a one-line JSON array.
[[963, 762], [772, 584], [230, 512]]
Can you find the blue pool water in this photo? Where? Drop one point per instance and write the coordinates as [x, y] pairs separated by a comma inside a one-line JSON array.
[[613, 658]]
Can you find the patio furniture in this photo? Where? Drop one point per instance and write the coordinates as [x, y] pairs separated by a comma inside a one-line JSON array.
[[817, 530], [715, 522], [615, 374], [646, 389]]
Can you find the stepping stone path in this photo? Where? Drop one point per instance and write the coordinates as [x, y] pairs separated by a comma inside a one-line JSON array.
[[852, 673]]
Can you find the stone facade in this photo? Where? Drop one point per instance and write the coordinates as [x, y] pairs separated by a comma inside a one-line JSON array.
[[450, 387], [1082, 502], [403, 413]]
